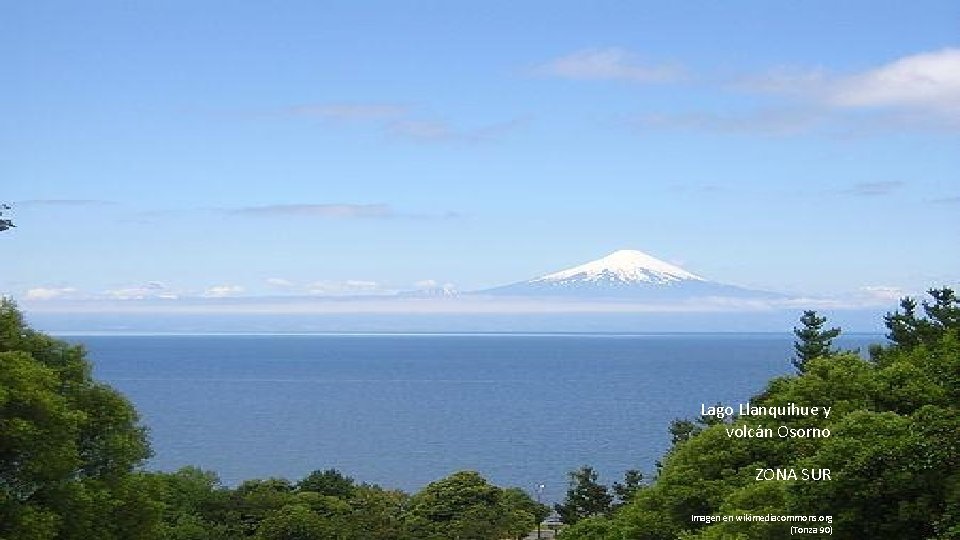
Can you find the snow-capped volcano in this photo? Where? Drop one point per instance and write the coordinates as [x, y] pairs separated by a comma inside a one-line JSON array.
[[624, 266], [626, 274]]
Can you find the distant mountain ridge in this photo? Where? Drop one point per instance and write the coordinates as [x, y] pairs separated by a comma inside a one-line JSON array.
[[626, 274]]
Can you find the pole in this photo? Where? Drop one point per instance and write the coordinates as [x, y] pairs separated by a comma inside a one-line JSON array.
[[539, 494]]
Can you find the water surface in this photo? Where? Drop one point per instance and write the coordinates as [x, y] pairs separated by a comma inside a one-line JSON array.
[[404, 410]]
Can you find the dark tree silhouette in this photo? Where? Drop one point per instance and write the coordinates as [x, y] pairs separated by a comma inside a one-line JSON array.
[[585, 498], [812, 340], [5, 223], [909, 329]]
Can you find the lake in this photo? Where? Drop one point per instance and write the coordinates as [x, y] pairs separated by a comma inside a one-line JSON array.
[[402, 410]]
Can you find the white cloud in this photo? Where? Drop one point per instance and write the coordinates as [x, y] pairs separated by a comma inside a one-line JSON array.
[[435, 131], [874, 189], [928, 80], [767, 122], [344, 112], [150, 289], [882, 293], [927, 84], [334, 211], [341, 211], [222, 291], [785, 80], [348, 287], [427, 284], [611, 63], [946, 200], [919, 92], [401, 121], [45, 293], [66, 202], [280, 283], [422, 130]]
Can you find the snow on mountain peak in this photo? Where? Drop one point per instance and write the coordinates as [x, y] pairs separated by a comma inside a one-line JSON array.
[[626, 266]]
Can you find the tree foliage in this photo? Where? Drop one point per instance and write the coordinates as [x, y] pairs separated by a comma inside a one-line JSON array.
[[586, 497], [69, 446], [70, 451], [812, 340], [295, 522], [906, 329], [463, 506], [893, 451], [524, 513], [329, 482], [631, 485]]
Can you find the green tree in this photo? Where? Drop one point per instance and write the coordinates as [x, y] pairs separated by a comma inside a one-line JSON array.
[[191, 499], [329, 482], [188, 490], [893, 452], [295, 522], [906, 329], [522, 511], [681, 430], [462, 506], [812, 340], [903, 326], [586, 497], [377, 513], [68, 444], [254, 500], [632, 483]]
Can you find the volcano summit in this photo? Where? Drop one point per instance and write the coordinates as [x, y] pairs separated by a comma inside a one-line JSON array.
[[626, 274]]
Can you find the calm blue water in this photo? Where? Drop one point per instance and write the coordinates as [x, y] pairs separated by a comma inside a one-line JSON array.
[[404, 410]]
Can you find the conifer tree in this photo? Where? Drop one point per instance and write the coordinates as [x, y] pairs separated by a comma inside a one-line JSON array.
[[903, 325], [5, 223], [681, 430], [942, 316], [812, 340], [632, 484], [585, 498]]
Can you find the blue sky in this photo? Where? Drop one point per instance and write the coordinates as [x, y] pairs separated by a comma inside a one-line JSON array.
[[246, 148]]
